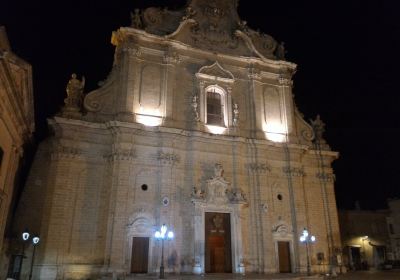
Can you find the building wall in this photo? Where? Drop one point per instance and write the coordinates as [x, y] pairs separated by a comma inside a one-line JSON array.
[[16, 128], [367, 231], [146, 124]]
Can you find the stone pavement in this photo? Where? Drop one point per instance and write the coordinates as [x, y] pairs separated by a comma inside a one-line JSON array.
[[371, 275], [229, 277]]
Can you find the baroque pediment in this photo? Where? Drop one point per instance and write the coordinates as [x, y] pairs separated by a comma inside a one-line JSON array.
[[215, 71], [213, 25]]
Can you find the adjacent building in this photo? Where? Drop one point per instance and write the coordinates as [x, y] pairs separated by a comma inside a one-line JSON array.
[[365, 238], [16, 128], [393, 221], [195, 128]]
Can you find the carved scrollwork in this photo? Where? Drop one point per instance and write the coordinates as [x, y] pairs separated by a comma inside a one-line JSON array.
[[153, 15], [307, 134], [281, 229]]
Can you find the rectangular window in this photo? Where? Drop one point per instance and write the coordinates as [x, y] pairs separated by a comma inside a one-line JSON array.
[[391, 229], [214, 109]]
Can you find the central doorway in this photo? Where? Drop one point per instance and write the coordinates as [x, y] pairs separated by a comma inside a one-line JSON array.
[[284, 257], [218, 253], [140, 254]]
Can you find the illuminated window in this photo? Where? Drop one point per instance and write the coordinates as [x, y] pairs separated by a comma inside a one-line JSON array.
[[215, 108]]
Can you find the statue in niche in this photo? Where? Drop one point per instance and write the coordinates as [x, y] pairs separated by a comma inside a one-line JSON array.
[[136, 19], [319, 128], [218, 170], [235, 114], [195, 106]]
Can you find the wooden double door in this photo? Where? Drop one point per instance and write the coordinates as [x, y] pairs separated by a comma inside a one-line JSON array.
[[140, 254], [284, 257], [218, 252]]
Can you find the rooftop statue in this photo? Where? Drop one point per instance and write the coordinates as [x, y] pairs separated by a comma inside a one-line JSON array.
[[319, 127]]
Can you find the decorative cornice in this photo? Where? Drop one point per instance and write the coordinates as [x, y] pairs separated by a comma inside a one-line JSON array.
[[285, 81]]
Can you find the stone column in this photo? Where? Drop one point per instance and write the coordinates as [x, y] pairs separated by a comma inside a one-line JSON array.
[[121, 165]]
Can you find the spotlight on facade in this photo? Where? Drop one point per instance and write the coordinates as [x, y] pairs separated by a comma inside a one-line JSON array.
[[149, 120], [162, 235], [216, 129], [306, 238]]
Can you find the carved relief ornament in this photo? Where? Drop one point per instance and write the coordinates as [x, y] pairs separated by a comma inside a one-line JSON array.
[[259, 167], [293, 171], [168, 158], [326, 177]]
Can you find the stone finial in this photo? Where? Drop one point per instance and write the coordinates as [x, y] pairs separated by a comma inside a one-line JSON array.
[[318, 127], [280, 51], [136, 19], [74, 93]]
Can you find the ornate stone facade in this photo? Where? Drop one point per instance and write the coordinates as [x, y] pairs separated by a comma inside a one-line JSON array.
[[198, 117], [16, 128]]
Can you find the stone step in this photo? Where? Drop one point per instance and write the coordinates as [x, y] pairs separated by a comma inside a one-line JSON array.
[[222, 277]]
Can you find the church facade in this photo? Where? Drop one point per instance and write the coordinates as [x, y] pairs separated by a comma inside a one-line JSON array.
[[195, 128]]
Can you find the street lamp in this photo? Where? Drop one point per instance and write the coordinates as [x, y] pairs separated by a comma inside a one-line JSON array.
[[35, 242], [162, 235], [306, 238], [25, 236]]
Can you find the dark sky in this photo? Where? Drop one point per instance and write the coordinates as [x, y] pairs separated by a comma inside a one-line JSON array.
[[348, 55]]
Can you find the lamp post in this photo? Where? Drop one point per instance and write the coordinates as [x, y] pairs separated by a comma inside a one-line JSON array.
[[306, 238], [162, 235], [35, 242], [25, 236]]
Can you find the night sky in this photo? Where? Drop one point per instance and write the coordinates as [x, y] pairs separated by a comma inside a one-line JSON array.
[[348, 55]]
